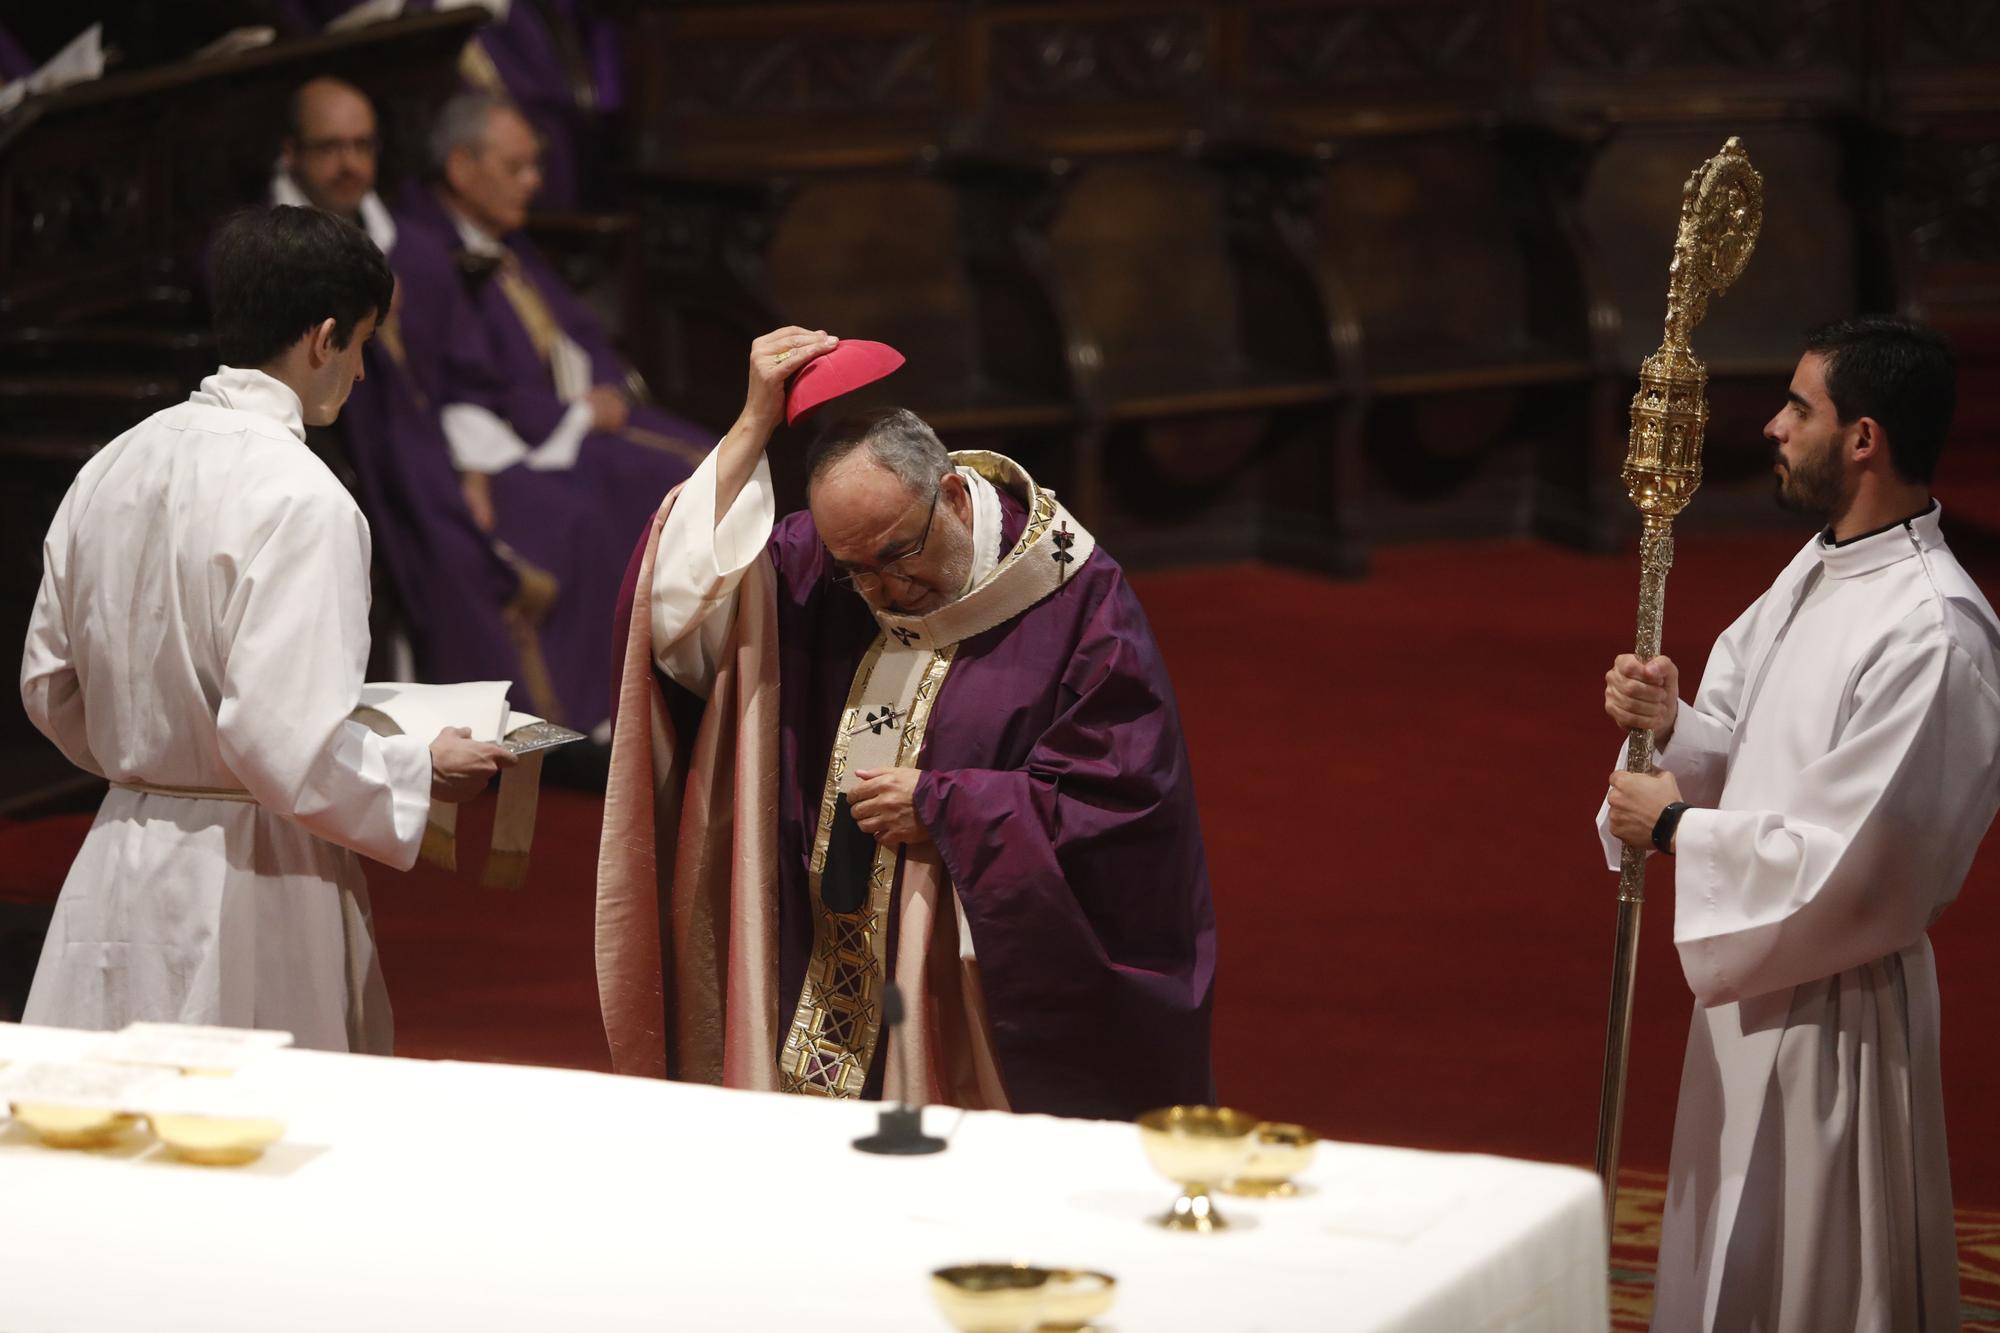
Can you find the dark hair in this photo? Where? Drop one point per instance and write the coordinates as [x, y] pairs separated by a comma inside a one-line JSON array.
[[1899, 372], [896, 437], [276, 273]]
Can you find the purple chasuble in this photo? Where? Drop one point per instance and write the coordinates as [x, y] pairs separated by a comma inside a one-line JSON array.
[[1056, 786]]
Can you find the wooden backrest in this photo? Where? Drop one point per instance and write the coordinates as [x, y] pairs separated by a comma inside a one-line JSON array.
[[1447, 249], [877, 256], [1141, 251]]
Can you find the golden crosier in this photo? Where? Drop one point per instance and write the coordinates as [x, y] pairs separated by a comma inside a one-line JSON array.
[[1722, 211]]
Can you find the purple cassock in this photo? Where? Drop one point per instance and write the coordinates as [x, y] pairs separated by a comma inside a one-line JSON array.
[[453, 584], [1056, 787], [468, 344]]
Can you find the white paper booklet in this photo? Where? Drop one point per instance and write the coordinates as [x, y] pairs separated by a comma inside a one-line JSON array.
[[66, 1083], [185, 1046], [392, 708]]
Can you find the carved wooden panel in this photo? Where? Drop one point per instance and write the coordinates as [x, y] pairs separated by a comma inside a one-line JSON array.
[[813, 72], [1369, 43], [1949, 32], [1158, 54], [1660, 36]]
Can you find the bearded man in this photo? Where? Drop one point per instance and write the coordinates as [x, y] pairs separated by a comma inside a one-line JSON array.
[[1823, 797]]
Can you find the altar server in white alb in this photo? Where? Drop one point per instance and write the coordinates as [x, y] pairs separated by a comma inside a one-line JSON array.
[[1823, 797], [199, 640]]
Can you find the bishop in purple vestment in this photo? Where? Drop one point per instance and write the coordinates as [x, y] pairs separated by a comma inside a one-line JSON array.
[[969, 703]]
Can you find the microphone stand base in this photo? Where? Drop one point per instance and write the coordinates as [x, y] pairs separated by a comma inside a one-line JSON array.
[[900, 1133]]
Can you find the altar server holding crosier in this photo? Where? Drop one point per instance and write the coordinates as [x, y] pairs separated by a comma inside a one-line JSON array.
[[1823, 797]]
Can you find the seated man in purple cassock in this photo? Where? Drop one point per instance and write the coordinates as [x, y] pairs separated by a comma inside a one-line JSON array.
[[918, 734], [477, 609], [533, 399]]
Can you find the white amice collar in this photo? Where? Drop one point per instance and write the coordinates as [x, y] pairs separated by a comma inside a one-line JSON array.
[[255, 392], [986, 529], [1885, 546]]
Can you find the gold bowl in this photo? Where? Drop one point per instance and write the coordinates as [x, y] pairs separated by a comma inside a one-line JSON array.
[[72, 1126], [214, 1140], [1076, 1296], [991, 1298], [1199, 1148], [1282, 1152]]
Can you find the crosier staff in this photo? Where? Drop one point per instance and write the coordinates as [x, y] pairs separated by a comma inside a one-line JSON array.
[[1722, 209]]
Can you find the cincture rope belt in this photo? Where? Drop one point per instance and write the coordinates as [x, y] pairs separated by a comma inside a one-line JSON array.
[[236, 794]]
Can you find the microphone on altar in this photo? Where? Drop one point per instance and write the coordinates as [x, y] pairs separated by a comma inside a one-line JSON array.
[[900, 1130]]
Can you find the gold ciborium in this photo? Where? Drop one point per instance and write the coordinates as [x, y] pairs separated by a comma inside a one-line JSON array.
[[215, 1140], [1199, 1148], [1075, 1297], [1282, 1151], [63, 1126], [991, 1298]]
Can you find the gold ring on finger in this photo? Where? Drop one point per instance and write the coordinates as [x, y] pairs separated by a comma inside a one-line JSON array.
[[783, 356]]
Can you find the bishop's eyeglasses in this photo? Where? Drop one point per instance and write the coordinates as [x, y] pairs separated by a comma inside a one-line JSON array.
[[850, 576]]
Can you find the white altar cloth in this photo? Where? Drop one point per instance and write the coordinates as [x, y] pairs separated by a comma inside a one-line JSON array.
[[411, 1194]]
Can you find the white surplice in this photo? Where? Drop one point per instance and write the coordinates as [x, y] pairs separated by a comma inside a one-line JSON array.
[[203, 623], [1842, 759]]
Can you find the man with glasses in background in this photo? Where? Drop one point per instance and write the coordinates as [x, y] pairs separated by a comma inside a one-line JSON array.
[[476, 608], [919, 734]]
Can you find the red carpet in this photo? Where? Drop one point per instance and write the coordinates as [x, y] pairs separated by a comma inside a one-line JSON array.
[[1396, 777]]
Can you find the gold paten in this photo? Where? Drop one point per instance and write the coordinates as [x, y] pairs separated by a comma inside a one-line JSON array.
[[62, 1126], [1722, 210], [1199, 1148], [1282, 1152], [214, 1140], [991, 1298]]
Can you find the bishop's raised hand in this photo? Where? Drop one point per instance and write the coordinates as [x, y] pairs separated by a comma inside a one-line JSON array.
[[774, 359]]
